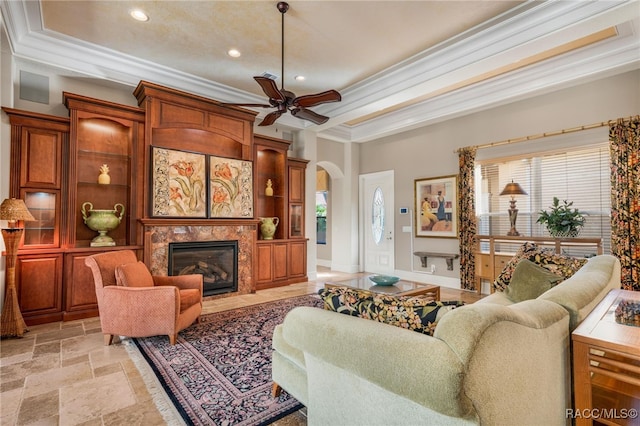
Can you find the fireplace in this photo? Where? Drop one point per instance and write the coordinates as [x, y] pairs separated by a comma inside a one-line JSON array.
[[216, 261]]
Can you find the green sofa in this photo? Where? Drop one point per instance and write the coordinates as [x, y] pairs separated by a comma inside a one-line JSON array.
[[493, 362]]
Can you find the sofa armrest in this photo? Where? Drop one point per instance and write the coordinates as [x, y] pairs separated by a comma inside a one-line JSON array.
[[384, 355], [180, 281], [463, 328]]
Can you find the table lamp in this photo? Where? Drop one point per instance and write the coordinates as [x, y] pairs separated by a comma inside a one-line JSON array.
[[513, 189], [12, 210]]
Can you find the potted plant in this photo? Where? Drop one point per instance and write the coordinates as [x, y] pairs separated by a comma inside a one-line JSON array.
[[561, 219]]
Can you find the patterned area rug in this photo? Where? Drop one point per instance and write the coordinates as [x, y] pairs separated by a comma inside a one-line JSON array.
[[219, 371]]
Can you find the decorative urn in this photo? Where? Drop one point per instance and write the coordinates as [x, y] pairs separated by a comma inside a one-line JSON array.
[[102, 221]]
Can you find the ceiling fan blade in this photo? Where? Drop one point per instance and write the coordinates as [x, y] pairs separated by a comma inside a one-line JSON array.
[[307, 114], [317, 99], [250, 105], [270, 118], [270, 89]]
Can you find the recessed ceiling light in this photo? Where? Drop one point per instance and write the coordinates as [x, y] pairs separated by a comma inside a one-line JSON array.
[[299, 77], [139, 15], [234, 53]]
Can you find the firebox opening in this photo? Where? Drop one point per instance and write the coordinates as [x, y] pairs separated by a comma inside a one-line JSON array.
[[216, 261]]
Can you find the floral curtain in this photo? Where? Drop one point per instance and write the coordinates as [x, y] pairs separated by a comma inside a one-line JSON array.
[[624, 137], [467, 218]]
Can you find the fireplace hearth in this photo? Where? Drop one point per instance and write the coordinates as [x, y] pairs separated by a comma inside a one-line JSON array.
[[216, 261]]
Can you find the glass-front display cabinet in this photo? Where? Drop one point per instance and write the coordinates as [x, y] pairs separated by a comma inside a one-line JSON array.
[[44, 231]]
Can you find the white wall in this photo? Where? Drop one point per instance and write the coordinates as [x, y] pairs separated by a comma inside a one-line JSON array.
[[429, 151]]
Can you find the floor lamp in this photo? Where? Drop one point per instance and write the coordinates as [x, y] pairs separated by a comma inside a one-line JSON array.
[[513, 189], [12, 210]]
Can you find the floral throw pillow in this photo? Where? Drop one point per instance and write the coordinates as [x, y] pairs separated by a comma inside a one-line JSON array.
[[415, 313], [561, 265]]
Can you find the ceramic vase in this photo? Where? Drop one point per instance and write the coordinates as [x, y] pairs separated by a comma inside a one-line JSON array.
[[268, 227], [102, 221]]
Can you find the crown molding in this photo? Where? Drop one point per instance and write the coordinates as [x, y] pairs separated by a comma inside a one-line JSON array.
[[531, 29], [517, 34], [608, 58]]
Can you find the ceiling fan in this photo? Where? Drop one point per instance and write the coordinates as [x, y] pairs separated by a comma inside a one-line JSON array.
[[284, 100]]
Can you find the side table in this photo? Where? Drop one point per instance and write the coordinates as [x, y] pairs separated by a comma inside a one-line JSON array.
[[606, 366]]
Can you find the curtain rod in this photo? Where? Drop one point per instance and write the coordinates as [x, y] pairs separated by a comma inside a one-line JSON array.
[[548, 134]]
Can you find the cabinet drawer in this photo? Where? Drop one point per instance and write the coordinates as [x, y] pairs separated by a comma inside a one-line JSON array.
[[483, 266], [500, 263]]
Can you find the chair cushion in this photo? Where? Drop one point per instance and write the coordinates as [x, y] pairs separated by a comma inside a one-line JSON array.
[[529, 281], [561, 265], [133, 275], [415, 313], [188, 298]]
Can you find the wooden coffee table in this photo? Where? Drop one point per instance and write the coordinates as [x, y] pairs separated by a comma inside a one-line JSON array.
[[401, 288]]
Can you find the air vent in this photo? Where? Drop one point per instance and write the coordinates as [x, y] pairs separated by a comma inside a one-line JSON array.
[[269, 75]]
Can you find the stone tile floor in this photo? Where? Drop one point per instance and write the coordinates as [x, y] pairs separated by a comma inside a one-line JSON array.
[[62, 374]]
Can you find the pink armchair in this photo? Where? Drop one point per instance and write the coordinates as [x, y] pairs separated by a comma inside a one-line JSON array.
[[135, 304]]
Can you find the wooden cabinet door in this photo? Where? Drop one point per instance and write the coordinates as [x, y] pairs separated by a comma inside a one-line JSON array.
[[296, 184], [39, 285], [297, 258], [40, 158], [296, 174], [80, 291], [483, 266], [264, 256], [280, 261]]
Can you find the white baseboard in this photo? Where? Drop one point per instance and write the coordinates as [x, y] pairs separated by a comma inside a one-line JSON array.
[[323, 262]]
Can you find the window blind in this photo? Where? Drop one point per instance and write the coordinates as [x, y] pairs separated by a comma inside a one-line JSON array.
[[578, 174]]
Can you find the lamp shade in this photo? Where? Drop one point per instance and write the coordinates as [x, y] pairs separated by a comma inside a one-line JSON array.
[[513, 189], [13, 209]]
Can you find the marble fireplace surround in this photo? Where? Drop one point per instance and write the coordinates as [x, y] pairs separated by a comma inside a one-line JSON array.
[[158, 233]]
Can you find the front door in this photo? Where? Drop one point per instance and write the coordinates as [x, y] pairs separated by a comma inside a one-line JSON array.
[[377, 222]]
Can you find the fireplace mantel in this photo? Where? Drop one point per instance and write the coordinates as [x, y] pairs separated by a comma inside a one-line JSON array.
[[177, 221]]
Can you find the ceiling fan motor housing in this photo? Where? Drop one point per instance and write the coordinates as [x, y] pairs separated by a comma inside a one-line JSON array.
[[285, 100], [283, 6]]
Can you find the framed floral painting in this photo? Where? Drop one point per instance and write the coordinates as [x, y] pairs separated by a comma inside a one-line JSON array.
[[436, 203], [230, 187], [179, 179]]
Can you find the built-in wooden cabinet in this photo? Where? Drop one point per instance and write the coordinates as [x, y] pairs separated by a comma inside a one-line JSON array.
[[111, 135], [55, 163], [283, 260], [55, 167]]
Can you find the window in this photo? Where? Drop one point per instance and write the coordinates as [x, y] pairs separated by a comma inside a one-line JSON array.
[[577, 174], [321, 217], [377, 215]]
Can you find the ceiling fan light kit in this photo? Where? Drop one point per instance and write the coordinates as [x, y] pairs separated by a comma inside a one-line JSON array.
[[284, 100]]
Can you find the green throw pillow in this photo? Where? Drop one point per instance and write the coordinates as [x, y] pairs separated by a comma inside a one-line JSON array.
[[561, 265], [529, 281]]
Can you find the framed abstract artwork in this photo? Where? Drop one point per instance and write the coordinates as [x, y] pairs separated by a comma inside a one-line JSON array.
[[230, 188], [178, 183], [436, 203]]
